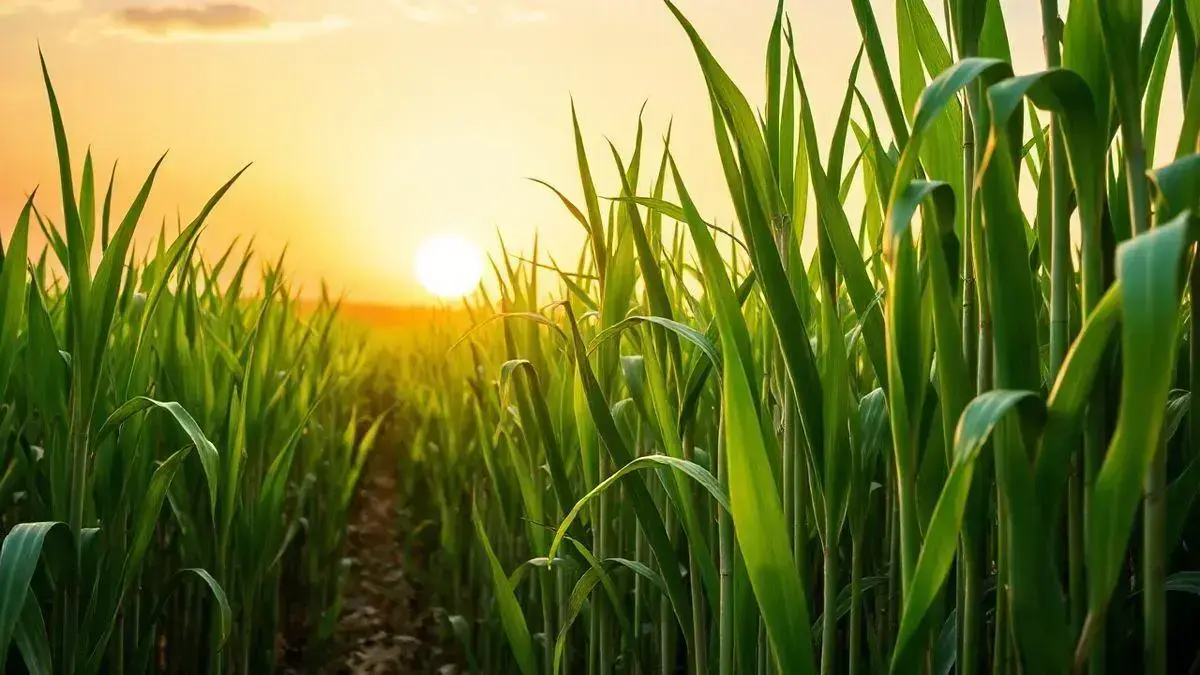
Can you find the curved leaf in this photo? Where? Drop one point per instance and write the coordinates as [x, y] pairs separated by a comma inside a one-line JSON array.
[[700, 340], [583, 589], [978, 420], [19, 556], [758, 516], [683, 466], [209, 459], [1148, 268], [511, 616]]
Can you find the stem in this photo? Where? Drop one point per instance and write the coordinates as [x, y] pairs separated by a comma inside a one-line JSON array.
[[801, 497], [983, 380], [1102, 409], [855, 665], [78, 499], [763, 649], [790, 422], [593, 641], [1135, 167], [1092, 282], [789, 458], [1060, 286], [893, 553], [906, 494], [639, 548], [1001, 656], [725, 529], [666, 618], [960, 589], [604, 629], [1076, 586], [547, 623], [968, 610], [971, 608], [560, 601], [1153, 513], [970, 316], [699, 632], [1154, 594], [829, 625]]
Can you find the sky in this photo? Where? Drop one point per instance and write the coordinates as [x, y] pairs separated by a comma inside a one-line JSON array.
[[375, 124]]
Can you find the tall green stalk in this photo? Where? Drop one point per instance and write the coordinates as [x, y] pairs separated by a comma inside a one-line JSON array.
[[1061, 284], [854, 664], [699, 618], [725, 631], [1154, 592]]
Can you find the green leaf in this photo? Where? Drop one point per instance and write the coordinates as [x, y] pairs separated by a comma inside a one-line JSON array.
[[759, 524], [1083, 52], [209, 458], [596, 225], [515, 627], [1010, 286], [583, 588], [32, 640], [1177, 187], [75, 258], [877, 55], [102, 300], [934, 99], [1184, 582], [87, 203], [695, 337], [1121, 26], [1070, 395], [19, 557], [554, 455], [12, 293], [694, 471], [762, 216], [224, 612], [648, 516], [1148, 269], [941, 541]]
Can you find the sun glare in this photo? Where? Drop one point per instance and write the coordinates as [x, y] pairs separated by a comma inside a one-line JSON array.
[[449, 266]]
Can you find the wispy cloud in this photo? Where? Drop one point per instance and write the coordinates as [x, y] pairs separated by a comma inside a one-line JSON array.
[[48, 6], [526, 15], [437, 11], [228, 21], [451, 11]]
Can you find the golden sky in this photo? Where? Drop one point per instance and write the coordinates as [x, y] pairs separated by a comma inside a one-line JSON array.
[[375, 123]]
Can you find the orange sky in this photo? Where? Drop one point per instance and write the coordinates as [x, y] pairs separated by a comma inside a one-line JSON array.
[[375, 123]]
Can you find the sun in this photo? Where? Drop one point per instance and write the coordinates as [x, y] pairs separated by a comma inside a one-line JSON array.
[[449, 266]]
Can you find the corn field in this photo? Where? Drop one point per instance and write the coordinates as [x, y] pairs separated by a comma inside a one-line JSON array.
[[176, 452], [949, 432], [922, 406]]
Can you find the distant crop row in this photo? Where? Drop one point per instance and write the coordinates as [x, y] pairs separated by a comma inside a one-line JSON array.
[[176, 452], [954, 433]]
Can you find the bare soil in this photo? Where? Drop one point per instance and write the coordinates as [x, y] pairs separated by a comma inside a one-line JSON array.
[[387, 624]]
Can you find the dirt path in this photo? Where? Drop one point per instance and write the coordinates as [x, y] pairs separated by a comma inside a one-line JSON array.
[[385, 626]]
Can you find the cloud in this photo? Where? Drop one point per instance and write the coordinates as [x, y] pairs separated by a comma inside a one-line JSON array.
[[47, 6], [215, 18], [425, 14], [437, 11], [228, 21], [526, 15]]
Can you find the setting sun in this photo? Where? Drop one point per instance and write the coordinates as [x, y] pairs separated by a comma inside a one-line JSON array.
[[449, 266]]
